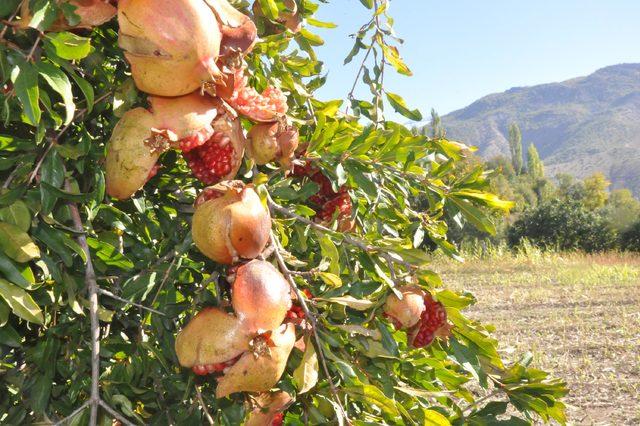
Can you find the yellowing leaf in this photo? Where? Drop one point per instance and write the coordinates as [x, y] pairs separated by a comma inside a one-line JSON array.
[[17, 244], [21, 302], [350, 301], [330, 279], [306, 375]]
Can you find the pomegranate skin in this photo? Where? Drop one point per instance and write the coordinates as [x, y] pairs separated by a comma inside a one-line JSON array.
[[211, 337], [130, 156], [261, 296], [259, 372], [92, 13], [269, 407], [272, 141], [239, 33], [406, 312], [171, 45], [232, 226]]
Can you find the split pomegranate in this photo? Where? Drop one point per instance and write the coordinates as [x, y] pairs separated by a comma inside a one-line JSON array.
[[220, 157], [272, 141], [433, 323], [268, 410], [171, 45], [91, 13], [216, 342], [261, 296], [405, 312], [260, 369], [233, 225], [267, 106], [239, 33], [340, 203], [211, 337], [142, 135]]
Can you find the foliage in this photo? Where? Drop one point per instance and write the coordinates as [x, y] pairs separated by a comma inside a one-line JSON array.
[[63, 94], [630, 238], [515, 148], [562, 225]]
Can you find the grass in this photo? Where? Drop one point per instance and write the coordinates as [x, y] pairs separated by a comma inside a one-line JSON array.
[[578, 314]]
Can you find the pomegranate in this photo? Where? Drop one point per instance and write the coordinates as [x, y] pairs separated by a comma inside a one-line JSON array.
[[272, 141], [185, 121], [141, 136], [268, 410], [261, 296], [340, 203], [91, 13], [233, 225], [219, 157], [172, 45], [261, 368], [239, 33], [405, 312], [131, 154], [432, 324], [211, 337], [267, 106]]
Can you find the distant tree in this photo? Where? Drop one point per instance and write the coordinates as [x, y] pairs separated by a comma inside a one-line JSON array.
[[535, 167], [515, 147], [595, 191], [630, 238], [622, 209], [562, 225], [437, 130]]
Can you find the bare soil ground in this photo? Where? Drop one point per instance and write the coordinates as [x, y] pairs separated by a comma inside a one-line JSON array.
[[578, 314]]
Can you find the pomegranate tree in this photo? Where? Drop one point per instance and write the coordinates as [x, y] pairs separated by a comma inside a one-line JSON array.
[[185, 305]]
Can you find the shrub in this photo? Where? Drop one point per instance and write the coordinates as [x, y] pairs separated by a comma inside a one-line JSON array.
[[630, 238], [564, 225]]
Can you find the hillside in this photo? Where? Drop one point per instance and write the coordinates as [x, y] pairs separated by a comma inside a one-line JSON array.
[[579, 126]]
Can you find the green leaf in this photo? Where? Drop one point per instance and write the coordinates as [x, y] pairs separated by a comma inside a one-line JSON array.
[[269, 8], [313, 39], [17, 214], [474, 215], [52, 178], [433, 418], [400, 106], [367, 3], [17, 244], [59, 82], [20, 302], [320, 24], [8, 335], [25, 83], [350, 301], [69, 46], [7, 7], [330, 251], [12, 273], [44, 14], [373, 396]]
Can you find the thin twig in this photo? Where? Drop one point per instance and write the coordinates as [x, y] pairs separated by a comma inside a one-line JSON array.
[[8, 23], [312, 321], [384, 253], [55, 140], [114, 413], [120, 299], [73, 414], [204, 406]]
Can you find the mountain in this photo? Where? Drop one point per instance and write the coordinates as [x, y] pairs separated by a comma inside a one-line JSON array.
[[579, 126]]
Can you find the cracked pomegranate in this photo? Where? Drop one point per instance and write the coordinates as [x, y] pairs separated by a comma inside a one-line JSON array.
[[220, 157], [268, 410], [341, 206], [405, 312], [91, 13], [239, 33], [433, 323], [217, 342], [268, 106], [233, 225]]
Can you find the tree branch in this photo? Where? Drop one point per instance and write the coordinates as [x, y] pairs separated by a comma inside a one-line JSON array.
[[73, 414], [312, 321], [129, 302], [204, 406]]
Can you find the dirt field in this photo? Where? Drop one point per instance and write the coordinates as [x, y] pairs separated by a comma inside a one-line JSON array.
[[578, 314]]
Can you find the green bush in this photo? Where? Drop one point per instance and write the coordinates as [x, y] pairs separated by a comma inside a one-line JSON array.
[[630, 238], [563, 225]]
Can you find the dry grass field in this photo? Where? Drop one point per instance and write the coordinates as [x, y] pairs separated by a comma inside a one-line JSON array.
[[578, 314]]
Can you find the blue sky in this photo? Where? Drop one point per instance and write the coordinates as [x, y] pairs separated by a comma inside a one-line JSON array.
[[461, 50]]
